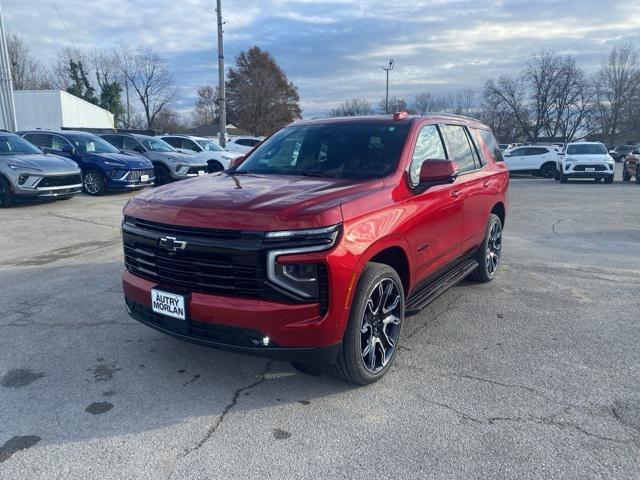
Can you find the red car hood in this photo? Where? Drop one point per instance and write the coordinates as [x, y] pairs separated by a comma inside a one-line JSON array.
[[250, 202]]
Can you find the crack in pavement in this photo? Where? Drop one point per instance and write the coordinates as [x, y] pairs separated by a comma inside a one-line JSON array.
[[431, 319], [65, 217], [227, 409], [550, 420]]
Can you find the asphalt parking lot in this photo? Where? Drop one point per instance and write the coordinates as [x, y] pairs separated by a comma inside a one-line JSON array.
[[533, 375]]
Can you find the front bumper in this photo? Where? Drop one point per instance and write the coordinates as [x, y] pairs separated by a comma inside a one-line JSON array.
[[190, 171], [579, 170], [48, 186], [297, 332]]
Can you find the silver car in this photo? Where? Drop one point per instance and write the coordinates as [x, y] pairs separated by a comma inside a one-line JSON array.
[[26, 172], [216, 157], [169, 164]]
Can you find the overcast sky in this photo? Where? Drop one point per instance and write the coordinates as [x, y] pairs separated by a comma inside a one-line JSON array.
[[333, 49]]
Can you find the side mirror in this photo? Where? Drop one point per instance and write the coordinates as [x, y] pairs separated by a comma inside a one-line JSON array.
[[68, 149], [139, 149], [196, 148], [437, 172]]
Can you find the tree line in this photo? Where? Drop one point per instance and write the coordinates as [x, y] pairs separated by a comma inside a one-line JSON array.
[[551, 98], [137, 87]]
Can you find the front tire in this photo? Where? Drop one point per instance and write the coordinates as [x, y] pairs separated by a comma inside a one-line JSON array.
[[372, 335], [215, 166], [94, 183], [563, 178], [162, 175], [638, 173], [608, 180], [6, 195], [626, 176], [490, 252]]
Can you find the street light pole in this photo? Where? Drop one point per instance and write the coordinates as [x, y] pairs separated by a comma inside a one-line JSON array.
[[392, 63], [222, 105], [7, 106]]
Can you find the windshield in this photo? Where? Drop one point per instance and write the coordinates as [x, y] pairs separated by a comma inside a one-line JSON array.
[[340, 150], [209, 146], [586, 149], [11, 144], [92, 144], [156, 145]]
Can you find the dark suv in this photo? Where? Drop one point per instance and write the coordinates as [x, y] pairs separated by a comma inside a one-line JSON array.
[[318, 243], [103, 166]]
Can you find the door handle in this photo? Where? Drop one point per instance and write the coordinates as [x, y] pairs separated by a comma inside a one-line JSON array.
[[455, 193], [486, 184]]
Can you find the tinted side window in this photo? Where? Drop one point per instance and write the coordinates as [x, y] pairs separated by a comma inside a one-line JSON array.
[[174, 142], [131, 144], [519, 152], [538, 151], [428, 147], [57, 142], [460, 149], [114, 140], [474, 149], [190, 145], [247, 142], [41, 140], [491, 143]]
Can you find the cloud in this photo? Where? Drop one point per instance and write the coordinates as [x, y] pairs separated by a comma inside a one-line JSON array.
[[333, 50]]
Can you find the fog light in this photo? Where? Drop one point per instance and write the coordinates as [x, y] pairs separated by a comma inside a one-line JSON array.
[[22, 179]]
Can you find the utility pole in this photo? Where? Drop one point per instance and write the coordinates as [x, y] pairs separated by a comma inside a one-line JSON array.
[[222, 106], [392, 63], [7, 105]]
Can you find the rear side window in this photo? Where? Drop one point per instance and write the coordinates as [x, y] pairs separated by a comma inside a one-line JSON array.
[[247, 142], [428, 147], [491, 143], [462, 152]]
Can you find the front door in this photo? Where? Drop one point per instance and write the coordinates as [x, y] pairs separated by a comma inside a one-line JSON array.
[[436, 230]]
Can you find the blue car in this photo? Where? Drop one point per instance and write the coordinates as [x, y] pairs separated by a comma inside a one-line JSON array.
[[104, 167]]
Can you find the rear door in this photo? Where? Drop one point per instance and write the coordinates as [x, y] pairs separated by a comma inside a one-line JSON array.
[[436, 233], [537, 156]]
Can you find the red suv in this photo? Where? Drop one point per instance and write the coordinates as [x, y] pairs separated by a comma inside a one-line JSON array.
[[315, 247]]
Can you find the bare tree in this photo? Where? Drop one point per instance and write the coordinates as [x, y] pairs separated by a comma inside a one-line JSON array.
[[148, 75], [60, 77], [464, 102], [206, 106], [617, 85], [508, 95], [27, 73], [427, 102], [352, 108]]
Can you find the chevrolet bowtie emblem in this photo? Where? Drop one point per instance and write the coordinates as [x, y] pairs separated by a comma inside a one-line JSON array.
[[172, 244]]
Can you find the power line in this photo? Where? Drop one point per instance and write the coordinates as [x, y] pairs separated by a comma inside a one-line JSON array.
[[64, 25]]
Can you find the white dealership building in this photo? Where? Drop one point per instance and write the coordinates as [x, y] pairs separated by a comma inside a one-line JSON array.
[[55, 109]]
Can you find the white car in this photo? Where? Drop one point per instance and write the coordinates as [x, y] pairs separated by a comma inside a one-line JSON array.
[[243, 144], [204, 148], [586, 160], [533, 159]]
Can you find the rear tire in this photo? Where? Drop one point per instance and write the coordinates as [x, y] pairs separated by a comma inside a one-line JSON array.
[[372, 335], [6, 195], [489, 252], [94, 183], [548, 170]]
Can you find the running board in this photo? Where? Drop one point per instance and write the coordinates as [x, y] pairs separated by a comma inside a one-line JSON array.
[[432, 290]]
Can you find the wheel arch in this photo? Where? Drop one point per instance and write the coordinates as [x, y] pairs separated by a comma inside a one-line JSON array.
[[500, 210], [394, 253]]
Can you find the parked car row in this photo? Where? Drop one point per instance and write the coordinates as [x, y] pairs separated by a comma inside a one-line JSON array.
[[60, 164], [587, 160]]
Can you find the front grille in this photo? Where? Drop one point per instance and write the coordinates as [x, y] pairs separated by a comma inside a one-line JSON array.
[[242, 337], [227, 262], [196, 170], [60, 181], [582, 168], [135, 175]]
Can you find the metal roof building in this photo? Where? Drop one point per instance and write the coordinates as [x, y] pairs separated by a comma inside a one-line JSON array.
[[54, 109]]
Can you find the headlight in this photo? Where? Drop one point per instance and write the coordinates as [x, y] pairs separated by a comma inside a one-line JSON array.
[[14, 166], [118, 172], [300, 279], [113, 164]]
